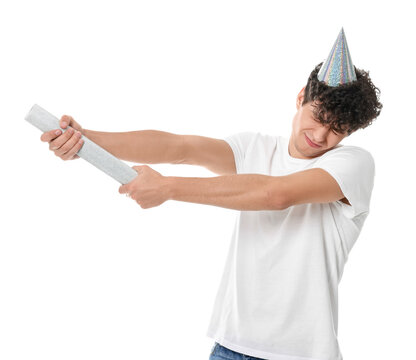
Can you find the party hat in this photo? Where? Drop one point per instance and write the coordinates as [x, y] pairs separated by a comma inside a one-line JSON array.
[[338, 67]]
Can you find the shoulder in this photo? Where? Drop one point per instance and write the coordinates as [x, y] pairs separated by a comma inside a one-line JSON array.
[[252, 138], [349, 152], [348, 163]]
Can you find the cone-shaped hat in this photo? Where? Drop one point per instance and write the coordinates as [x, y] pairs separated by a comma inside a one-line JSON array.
[[338, 67]]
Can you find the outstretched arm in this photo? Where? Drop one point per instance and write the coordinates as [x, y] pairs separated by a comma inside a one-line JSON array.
[[141, 146], [238, 192], [256, 191]]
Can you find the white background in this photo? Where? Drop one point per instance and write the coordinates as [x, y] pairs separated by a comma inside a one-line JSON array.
[[85, 273]]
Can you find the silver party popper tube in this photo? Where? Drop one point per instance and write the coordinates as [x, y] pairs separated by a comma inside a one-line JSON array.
[[89, 151]]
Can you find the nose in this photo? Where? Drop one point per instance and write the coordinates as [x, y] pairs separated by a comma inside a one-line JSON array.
[[320, 134]]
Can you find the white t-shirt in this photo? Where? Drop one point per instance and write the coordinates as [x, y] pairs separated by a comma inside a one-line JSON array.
[[278, 296]]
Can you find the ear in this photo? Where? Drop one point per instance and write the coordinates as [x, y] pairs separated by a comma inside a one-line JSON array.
[[299, 98]]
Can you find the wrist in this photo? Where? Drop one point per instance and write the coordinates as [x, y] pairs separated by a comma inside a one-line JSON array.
[[170, 182], [86, 133]]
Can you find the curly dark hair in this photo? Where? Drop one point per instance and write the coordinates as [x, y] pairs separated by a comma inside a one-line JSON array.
[[346, 107]]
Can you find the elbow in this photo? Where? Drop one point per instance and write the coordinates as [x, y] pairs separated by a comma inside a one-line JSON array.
[[281, 204], [276, 198], [181, 155]]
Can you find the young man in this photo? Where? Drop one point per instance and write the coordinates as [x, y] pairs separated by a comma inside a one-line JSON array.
[[302, 201]]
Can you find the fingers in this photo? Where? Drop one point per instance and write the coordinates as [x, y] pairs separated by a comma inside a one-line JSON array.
[[61, 140], [65, 144], [65, 121], [50, 135], [72, 152]]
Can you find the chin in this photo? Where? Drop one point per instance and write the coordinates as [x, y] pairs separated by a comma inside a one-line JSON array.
[[309, 151]]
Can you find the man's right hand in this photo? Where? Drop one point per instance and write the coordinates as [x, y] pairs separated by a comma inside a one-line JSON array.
[[65, 145]]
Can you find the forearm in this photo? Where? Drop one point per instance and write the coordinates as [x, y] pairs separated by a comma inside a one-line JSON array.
[[238, 192], [143, 146]]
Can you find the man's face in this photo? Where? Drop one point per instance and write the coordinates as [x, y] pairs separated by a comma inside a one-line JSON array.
[[309, 137]]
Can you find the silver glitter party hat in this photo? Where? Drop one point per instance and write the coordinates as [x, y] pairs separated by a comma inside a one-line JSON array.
[[338, 67]]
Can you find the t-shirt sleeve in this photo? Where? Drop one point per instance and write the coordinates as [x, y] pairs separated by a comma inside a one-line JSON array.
[[353, 168], [240, 143]]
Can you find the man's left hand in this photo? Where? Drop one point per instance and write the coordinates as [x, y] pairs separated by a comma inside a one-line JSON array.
[[149, 188]]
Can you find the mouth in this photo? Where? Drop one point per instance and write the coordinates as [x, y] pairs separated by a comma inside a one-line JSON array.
[[312, 144]]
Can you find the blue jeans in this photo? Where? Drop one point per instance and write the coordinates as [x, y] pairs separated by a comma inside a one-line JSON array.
[[220, 352]]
